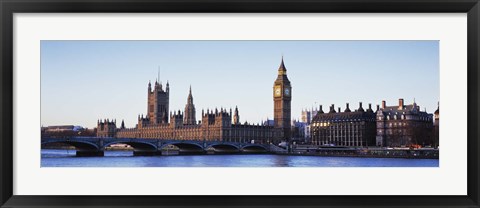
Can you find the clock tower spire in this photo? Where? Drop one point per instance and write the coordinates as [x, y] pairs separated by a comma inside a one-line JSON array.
[[282, 97]]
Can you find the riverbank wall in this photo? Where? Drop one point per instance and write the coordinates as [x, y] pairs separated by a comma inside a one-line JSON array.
[[367, 153]]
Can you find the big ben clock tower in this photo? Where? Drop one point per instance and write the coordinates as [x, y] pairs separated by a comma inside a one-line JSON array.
[[282, 97]]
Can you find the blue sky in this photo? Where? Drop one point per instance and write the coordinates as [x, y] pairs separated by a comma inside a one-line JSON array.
[[82, 81]]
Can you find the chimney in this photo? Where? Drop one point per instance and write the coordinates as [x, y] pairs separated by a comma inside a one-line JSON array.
[[400, 104], [378, 107], [360, 108], [384, 104], [347, 109], [339, 110], [370, 108], [332, 109]]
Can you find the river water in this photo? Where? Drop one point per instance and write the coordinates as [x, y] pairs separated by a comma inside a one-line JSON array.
[[66, 158]]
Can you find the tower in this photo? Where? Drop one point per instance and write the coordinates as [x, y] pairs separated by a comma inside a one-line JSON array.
[[106, 128], [306, 116], [122, 126], [158, 102], [189, 118], [282, 97], [236, 117], [223, 119], [176, 119]]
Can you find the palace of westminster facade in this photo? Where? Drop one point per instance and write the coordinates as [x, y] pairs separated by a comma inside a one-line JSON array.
[[392, 126], [215, 125]]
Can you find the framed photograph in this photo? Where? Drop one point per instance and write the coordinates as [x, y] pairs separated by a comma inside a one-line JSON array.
[[242, 104]]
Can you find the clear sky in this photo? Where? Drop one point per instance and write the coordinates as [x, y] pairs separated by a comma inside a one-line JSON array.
[[82, 81]]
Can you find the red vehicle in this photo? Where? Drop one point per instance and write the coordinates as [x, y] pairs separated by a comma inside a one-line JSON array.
[[415, 146]]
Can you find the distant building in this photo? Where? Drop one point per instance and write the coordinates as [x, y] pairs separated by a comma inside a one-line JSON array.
[[307, 117], [403, 125], [269, 122], [62, 128], [298, 131], [66, 130], [348, 128]]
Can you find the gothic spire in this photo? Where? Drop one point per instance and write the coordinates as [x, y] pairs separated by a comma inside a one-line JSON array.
[[282, 70], [236, 117], [190, 97], [189, 117]]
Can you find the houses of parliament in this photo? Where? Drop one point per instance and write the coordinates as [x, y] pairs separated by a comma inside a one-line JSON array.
[[214, 125]]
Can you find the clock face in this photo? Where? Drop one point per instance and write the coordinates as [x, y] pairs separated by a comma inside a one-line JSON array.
[[277, 91], [287, 92]]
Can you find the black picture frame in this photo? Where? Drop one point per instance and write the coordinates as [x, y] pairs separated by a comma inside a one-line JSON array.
[[9, 7]]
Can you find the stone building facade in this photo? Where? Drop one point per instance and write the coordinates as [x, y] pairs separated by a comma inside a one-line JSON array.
[[390, 126], [403, 125], [215, 125], [347, 128]]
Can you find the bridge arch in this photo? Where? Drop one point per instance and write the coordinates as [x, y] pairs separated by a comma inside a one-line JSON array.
[[254, 148], [78, 144], [185, 147], [136, 145], [224, 148]]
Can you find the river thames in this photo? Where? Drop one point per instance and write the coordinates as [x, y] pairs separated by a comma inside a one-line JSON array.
[[66, 158]]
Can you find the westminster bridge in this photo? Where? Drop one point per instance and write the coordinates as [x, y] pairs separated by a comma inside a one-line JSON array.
[[95, 146]]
